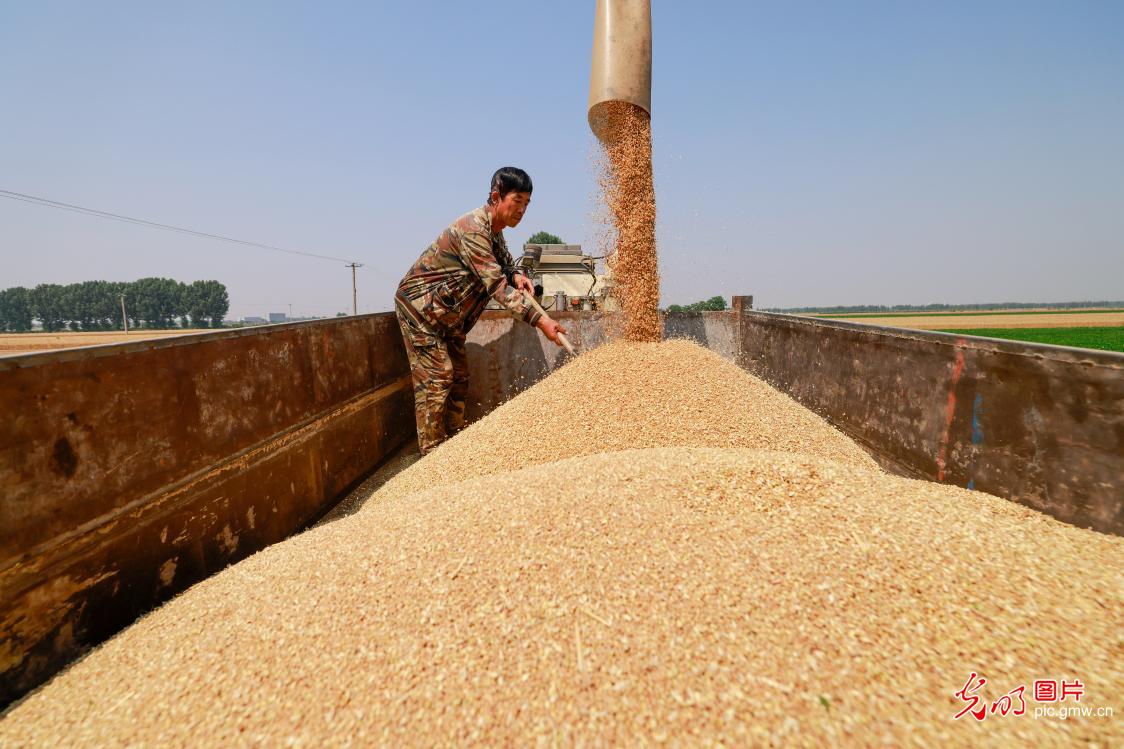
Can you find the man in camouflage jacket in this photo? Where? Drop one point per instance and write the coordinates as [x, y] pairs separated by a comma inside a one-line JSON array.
[[444, 294]]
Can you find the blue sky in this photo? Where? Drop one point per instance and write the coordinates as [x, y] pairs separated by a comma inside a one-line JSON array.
[[809, 153]]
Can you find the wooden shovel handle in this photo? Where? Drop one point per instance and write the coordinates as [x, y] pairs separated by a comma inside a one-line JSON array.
[[566, 342]]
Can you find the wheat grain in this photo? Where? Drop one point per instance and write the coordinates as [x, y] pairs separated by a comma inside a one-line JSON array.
[[746, 577]]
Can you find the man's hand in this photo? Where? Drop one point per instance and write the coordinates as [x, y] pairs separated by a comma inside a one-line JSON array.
[[524, 284], [550, 328]]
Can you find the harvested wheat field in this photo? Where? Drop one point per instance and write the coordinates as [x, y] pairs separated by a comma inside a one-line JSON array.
[[28, 343], [1006, 320], [744, 576]]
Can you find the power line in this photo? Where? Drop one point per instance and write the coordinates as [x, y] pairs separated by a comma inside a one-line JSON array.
[[156, 225]]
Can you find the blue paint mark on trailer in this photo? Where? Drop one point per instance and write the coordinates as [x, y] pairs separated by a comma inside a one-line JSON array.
[[977, 411], [977, 430]]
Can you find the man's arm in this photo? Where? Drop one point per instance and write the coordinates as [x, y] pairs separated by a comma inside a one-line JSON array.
[[507, 264], [549, 326], [476, 253]]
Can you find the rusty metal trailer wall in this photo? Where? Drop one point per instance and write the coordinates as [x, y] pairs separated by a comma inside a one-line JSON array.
[[130, 471], [1041, 425]]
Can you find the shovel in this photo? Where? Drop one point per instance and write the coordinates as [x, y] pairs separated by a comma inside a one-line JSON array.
[[566, 344], [561, 336]]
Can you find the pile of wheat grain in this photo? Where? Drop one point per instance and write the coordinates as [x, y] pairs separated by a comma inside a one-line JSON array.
[[625, 181], [625, 396], [748, 577]]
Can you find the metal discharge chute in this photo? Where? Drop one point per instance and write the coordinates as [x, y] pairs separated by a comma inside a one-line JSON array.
[[622, 58]]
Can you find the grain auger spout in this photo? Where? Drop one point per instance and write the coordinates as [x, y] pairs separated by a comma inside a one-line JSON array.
[[620, 111], [622, 58]]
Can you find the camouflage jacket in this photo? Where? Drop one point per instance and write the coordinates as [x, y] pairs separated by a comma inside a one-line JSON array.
[[448, 287]]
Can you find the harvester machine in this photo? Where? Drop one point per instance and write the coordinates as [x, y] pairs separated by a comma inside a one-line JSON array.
[[565, 278]]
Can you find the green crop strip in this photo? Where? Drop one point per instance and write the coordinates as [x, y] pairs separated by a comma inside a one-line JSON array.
[[1103, 338]]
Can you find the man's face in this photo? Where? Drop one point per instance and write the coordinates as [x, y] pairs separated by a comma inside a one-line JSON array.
[[511, 207]]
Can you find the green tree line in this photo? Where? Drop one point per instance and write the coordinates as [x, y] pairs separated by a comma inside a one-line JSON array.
[[714, 304], [96, 305], [544, 237]]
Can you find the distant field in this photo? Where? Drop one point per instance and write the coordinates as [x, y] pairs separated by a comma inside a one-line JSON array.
[[1100, 337], [974, 313], [976, 320], [1084, 328], [27, 343]]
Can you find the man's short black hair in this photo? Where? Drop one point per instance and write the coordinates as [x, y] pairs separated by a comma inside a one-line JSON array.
[[510, 179]]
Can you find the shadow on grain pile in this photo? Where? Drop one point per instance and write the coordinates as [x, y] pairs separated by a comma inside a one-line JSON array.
[[700, 560]]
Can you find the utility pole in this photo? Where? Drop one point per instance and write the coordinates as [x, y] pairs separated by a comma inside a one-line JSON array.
[[289, 319], [354, 298], [124, 318]]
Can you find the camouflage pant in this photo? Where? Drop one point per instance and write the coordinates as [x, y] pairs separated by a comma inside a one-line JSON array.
[[440, 371]]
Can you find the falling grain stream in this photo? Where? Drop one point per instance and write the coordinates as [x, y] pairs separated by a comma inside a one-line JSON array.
[[630, 201]]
